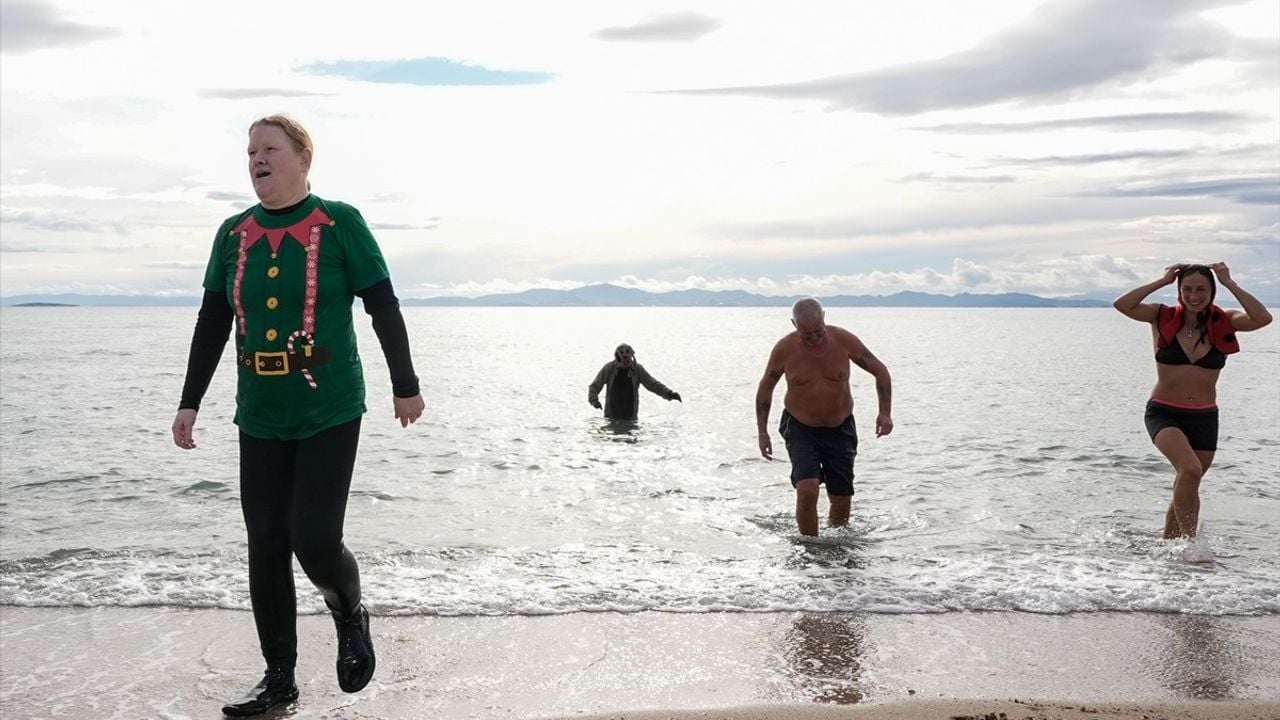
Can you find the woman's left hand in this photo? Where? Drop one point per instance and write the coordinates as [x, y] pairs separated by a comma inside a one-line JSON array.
[[409, 409], [1220, 269]]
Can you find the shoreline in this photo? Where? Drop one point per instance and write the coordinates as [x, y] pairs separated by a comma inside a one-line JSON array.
[[175, 664]]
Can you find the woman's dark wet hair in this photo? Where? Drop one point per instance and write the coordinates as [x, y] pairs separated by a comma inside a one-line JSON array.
[[1202, 317], [623, 348]]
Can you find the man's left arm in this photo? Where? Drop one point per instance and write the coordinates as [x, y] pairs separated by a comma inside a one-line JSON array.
[[652, 385], [865, 359]]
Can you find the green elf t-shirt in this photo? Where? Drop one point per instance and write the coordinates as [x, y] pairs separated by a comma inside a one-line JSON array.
[[291, 280]]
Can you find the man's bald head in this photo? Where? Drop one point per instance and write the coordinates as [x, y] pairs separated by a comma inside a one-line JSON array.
[[807, 311]]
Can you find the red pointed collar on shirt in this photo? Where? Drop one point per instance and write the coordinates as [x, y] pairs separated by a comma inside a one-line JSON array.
[[299, 231]]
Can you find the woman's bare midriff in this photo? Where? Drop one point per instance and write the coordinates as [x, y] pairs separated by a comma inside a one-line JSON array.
[[1186, 384]]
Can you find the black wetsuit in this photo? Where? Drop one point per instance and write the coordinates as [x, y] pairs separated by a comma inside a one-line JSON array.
[[294, 497], [622, 396]]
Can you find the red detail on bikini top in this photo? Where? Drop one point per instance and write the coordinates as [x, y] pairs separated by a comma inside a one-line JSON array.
[[1221, 334], [299, 231]]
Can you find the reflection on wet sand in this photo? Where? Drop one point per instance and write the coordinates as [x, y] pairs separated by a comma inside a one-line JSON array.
[[1199, 657], [824, 656]]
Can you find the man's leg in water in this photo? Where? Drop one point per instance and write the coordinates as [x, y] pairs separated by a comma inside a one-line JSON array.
[[840, 506], [807, 506], [839, 451]]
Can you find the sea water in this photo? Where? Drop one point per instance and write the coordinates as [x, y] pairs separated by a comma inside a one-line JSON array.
[[1018, 477]]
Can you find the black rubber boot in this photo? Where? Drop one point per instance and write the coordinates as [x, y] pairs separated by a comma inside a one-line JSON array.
[[277, 688], [355, 650]]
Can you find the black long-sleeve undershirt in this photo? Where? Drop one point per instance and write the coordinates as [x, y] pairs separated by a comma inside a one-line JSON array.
[[381, 303], [213, 327]]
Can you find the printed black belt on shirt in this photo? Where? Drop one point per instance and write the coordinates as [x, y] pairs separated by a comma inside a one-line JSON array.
[[283, 362]]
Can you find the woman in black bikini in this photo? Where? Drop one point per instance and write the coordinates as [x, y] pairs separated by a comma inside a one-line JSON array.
[[1192, 341]]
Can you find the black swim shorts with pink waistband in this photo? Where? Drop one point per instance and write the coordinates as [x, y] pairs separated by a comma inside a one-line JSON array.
[[1199, 424]]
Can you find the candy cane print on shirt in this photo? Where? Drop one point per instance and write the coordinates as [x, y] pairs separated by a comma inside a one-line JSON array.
[[306, 373]]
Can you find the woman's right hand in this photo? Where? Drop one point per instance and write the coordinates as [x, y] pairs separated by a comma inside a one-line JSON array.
[[1171, 273], [183, 423]]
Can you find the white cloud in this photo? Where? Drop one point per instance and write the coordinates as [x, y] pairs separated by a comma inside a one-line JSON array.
[[130, 146], [675, 27], [1052, 277], [30, 25]]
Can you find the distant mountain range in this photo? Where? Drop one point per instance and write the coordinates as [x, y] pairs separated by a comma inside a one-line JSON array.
[[606, 295]]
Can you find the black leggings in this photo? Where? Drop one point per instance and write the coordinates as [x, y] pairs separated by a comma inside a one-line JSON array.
[[294, 497]]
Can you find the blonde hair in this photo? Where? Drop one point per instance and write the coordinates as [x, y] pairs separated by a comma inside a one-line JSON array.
[[298, 136]]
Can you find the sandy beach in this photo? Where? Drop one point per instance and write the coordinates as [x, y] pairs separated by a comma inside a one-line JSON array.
[[973, 709], [176, 664]]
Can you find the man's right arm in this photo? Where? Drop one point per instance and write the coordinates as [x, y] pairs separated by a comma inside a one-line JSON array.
[[764, 399], [593, 390]]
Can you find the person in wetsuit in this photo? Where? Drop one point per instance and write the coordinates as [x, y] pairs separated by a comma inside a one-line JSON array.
[[1192, 341], [281, 280], [621, 378], [817, 417]]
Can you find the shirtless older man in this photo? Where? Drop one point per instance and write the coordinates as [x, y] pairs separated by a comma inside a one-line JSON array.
[[817, 418]]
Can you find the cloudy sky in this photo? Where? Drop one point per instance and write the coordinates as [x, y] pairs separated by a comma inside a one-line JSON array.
[[1057, 148]]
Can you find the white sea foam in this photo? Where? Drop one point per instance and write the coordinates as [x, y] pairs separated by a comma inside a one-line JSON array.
[[631, 580]]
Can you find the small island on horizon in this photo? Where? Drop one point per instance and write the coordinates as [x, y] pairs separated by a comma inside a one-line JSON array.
[[45, 304]]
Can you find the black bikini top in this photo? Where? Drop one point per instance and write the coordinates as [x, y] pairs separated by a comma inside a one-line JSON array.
[[1173, 354]]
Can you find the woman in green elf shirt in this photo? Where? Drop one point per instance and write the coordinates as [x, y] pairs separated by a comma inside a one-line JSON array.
[[281, 280]]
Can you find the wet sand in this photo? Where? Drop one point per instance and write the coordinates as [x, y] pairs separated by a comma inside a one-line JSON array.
[[174, 664], [968, 710]]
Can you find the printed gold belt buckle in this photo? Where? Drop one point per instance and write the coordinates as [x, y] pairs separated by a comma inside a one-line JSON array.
[[271, 363]]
